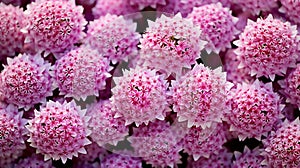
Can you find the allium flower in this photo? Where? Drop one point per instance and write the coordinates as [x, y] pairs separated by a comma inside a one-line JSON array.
[[26, 80], [34, 161], [157, 143], [170, 44], [105, 128], [140, 96], [282, 147], [254, 110], [248, 159], [120, 161], [291, 87], [200, 142], [186, 6], [115, 7], [217, 25], [12, 131], [81, 72], [255, 6], [145, 3], [235, 74], [59, 131], [220, 160], [291, 9], [114, 37], [11, 37], [199, 96], [54, 26], [268, 47]]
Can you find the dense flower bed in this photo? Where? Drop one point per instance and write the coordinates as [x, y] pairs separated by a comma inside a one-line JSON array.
[[149, 83]]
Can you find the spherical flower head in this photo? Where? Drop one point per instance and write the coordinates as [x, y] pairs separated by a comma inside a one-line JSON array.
[[235, 74], [220, 160], [81, 72], [217, 25], [121, 161], [59, 131], [12, 21], [26, 80], [157, 143], [291, 86], [105, 128], [282, 147], [116, 7], [140, 96], [268, 47], [35, 161], [114, 37], [291, 9], [200, 142], [12, 131], [171, 43], [254, 110], [249, 158], [54, 26], [145, 3], [198, 96], [256, 6]]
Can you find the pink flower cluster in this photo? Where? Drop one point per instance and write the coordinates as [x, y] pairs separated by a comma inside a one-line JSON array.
[[140, 96], [149, 83], [171, 43], [81, 72]]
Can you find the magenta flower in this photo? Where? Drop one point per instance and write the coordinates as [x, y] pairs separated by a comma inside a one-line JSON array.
[[26, 81], [54, 26], [105, 128], [199, 96], [290, 87], [140, 96], [114, 37], [186, 6], [249, 158], [12, 133], [157, 143], [235, 74], [94, 151], [217, 24], [220, 160], [291, 9], [255, 6], [59, 131], [11, 37], [200, 142], [115, 7], [34, 161], [145, 3], [121, 161], [12, 2], [89, 160], [171, 43], [268, 47], [255, 108], [81, 72], [282, 147]]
